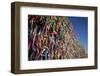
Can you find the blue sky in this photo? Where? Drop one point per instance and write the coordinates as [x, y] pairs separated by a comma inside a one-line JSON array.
[[80, 25]]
